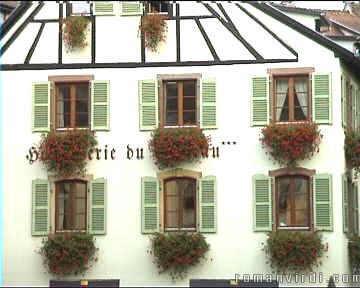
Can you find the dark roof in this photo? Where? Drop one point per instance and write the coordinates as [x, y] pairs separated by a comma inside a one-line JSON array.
[[339, 51], [14, 17], [344, 20], [299, 10], [8, 5]]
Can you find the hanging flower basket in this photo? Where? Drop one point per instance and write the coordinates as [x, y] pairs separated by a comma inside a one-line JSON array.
[[66, 154], [352, 150], [354, 254], [177, 252], [68, 253], [172, 146], [289, 143], [154, 28], [75, 32], [294, 251]]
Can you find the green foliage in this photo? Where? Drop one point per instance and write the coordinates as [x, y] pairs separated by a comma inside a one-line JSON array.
[[352, 149], [172, 146], [294, 251], [289, 143], [68, 253], [75, 32], [66, 154], [176, 252]]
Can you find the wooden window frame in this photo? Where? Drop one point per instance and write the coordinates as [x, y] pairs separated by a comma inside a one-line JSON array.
[[292, 172], [72, 203], [180, 203], [162, 79], [177, 173], [67, 79], [276, 73]]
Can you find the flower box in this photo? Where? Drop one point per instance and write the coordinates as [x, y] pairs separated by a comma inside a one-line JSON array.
[[75, 30], [66, 154], [289, 143], [178, 251], [173, 146], [68, 253], [294, 251]]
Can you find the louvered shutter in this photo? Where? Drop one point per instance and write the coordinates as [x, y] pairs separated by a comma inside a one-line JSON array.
[[150, 205], [97, 213], [262, 208], [100, 94], [131, 8], [343, 102], [259, 101], [41, 106], [356, 209], [40, 207], [345, 200], [208, 119], [103, 8], [321, 95], [207, 205], [358, 108], [323, 202], [148, 105]]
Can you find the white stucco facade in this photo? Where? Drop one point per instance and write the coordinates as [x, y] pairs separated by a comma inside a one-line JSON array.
[[235, 248]]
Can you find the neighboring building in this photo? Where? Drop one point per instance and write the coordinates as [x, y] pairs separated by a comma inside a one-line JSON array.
[[6, 7], [237, 67], [343, 27]]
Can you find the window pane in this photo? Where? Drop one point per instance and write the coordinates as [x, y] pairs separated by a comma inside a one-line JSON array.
[[172, 205], [189, 103], [284, 204], [189, 192], [80, 7], [80, 222], [64, 206], [301, 201], [82, 120], [63, 107], [282, 100], [82, 105], [189, 117], [189, 88], [171, 104], [301, 99]]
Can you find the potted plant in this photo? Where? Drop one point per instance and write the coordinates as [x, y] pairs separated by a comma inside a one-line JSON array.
[[289, 143], [75, 32], [68, 253], [294, 251], [154, 28], [172, 146], [177, 252], [352, 150], [66, 154]]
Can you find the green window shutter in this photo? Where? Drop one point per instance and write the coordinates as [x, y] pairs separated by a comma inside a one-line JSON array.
[[356, 209], [262, 208], [97, 211], [41, 106], [207, 205], [260, 101], [321, 96], [150, 205], [358, 108], [323, 202], [343, 102], [100, 114], [345, 204], [103, 8], [40, 207], [208, 104], [131, 8], [148, 105]]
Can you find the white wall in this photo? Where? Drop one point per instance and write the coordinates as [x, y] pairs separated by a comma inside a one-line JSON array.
[[235, 248]]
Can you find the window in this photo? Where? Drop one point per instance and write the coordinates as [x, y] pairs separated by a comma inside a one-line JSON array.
[[70, 207], [180, 203], [178, 199], [291, 98], [157, 7], [350, 206], [74, 8], [72, 105], [293, 201], [179, 103]]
